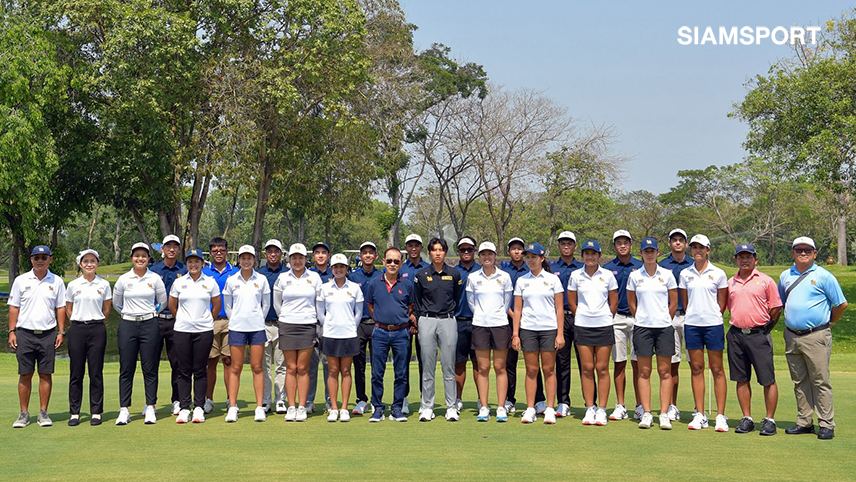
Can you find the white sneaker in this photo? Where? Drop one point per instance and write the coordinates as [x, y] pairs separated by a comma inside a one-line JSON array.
[[589, 417], [176, 407], [198, 415], [646, 420], [452, 414], [563, 410], [151, 418], [281, 407], [665, 423], [124, 416], [484, 415], [405, 407], [209, 406], [721, 423], [637, 414], [260, 414], [478, 404], [183, 416], [459, 404], [501, 414], [600, 417], [540, 408], [550, 416], [674, 413], [291, 414], [301, 414], [620, 412], [426, 415], [529, 415], [333, 415], [509, 407], [360, 408], [232, 415], [699, 422], [344, 415]]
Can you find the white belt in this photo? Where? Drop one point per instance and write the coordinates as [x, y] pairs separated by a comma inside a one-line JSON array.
[[138, 318]]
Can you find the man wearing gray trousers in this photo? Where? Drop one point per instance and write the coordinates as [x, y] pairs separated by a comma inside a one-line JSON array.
[[438, 287]]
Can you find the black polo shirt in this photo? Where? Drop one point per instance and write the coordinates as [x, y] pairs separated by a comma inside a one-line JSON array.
[[437, 293]]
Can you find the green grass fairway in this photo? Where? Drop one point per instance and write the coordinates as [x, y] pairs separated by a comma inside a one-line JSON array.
[[439, 450]]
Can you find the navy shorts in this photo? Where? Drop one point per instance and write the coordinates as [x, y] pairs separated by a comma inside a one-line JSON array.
[[464, 349], [700, 337], [244, 338]]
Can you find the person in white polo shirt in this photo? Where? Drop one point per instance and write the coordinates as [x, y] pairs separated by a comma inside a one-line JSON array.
[[195, 300], [88, 300], [489, 294], [704, 292], [593, 298], [538, 328], [36, 310], [246, 297], [340, 310], [294, 296], [139, 295], [652, 296]]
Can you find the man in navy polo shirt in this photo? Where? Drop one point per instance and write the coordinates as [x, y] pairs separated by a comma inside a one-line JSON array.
[[362, 276], [220, 269], [169, 270], [390, 301], [413, 264], [466, 247], [677, 261], [321, 257], [563, 267], [271, 270]]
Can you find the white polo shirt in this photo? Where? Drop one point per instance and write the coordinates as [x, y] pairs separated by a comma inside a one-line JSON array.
[[539, 302], [489, 297], [246, 301], [37, 300], [139, 295], [702, 290], [294, 298], [652, 296], [340, 309], [87, 298], [593, 297], [194, 303]]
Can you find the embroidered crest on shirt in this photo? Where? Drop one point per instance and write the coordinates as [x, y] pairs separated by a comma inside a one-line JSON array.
[[429, 278], [814, 282], [710, 277], [50, 288]]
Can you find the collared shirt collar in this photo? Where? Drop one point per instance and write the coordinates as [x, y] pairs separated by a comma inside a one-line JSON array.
[[515, 268], [561, 262], [671, 260], [473, 267], [796, 272], [629, 262], [754, 273], [227, 268]]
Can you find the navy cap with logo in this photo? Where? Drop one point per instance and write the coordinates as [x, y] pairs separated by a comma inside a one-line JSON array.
[[592, 245], [745, 248], [41, 249], [321, 244], [535, 248], [195, 252], [648, 243]]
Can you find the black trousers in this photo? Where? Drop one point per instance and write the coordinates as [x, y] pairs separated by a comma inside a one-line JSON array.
[[414, 341], [364, 336], [138, 338], [193, 350], [166, 327], [563, 364], [86, 346], [511, 372]]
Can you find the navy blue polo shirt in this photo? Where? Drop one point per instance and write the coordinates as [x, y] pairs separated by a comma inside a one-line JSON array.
[[325, 275], [514, 271], [220, 277], [408, 270], [563, 270], [464, 307], [168, 275], [362, 278], [272, 275], [671, 263], [391, 302], [622, 271]]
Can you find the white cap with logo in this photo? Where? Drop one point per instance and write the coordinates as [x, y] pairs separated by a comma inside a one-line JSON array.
[[171, 237], [487, 246], [700, 239], [620, 233], [339, 258], [297, 248], [678, 231], [275, 243], [413, 237], [247, 249], [804, 240], [567, 235]]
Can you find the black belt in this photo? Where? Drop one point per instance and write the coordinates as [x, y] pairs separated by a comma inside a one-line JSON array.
[[87, 322], [749, 331], [624, 313], [272, 322], [465, 318], [439, 315], [36, 332], [810, 330]]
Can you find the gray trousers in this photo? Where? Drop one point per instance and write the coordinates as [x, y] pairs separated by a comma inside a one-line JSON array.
[[808, 362], [273, 355], [437, 333]]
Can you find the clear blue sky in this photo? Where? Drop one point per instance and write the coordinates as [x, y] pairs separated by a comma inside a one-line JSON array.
[[620, 63]]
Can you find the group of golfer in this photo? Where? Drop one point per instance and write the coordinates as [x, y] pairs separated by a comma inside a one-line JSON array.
[[294, 318]]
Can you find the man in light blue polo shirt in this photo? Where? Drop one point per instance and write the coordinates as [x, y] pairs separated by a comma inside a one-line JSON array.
[[813, 303]]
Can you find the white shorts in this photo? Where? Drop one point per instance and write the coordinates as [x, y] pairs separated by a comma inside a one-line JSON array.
[[622, 327]]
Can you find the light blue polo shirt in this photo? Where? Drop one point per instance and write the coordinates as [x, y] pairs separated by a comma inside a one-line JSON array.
[[810, 303]]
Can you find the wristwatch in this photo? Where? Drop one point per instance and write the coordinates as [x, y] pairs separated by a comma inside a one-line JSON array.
[[62, 332]]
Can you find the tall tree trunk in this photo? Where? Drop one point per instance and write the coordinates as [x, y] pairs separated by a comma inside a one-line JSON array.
[[117, 250], [92, 226], [262, 199], [292, 232], [328, 221], [19, 248], [301, 226], [198, 194], [842, 239], [232, 211], [140, 227]]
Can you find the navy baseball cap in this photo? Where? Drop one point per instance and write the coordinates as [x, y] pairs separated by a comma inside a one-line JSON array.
[[535, 248], [321, 244], [592, 245], [745, 248], [41, 249], [648, 243], [194, 252]]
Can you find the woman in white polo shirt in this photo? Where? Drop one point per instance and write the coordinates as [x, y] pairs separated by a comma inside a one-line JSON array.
[[489, 294], [593, 299], [652, 295], [246, 297], [139, 295], [538, 320], [88, 300], [195, 300], [704, 289], [340, 309], [294, 296]]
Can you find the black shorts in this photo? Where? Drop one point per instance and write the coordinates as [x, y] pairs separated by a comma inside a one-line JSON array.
[[464, 349], [491, 338], [746, 351], [533, 340], [648, 342], [340, 347], [594, 336], [35, 350], [296, 336]]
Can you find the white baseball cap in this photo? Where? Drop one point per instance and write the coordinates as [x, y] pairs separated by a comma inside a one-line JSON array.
[[171, 237], [803, 240], [88, 251], [274, 242], [487, 246], [339, 258], [413, 237], [368, 244], [141, 245], [700, 239], [620, 233], [466, 240], [679, 231], [297, 248], [567, 235], [247, 249], [515, 240]]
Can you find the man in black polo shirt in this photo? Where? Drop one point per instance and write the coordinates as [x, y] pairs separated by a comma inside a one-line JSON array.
[[438, 289]]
